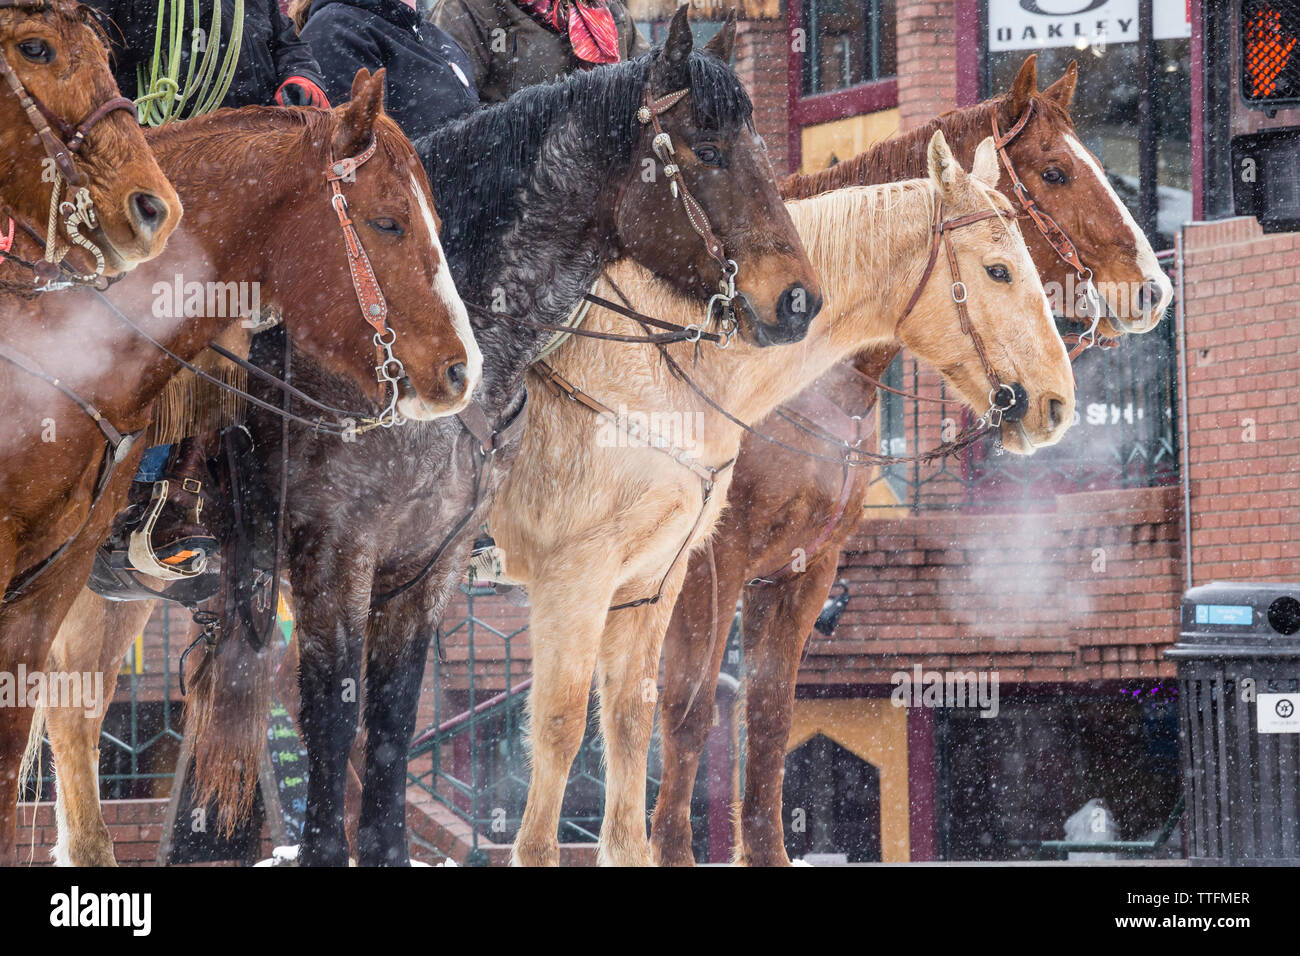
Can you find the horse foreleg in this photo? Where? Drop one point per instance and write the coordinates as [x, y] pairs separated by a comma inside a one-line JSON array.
[[94, 638], [287, 692], [568, 615], [395, 657], [330, 635], [627, 678], [691, 666], [776, 622]]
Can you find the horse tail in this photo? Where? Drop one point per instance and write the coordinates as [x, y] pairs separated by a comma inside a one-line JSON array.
[[229, 699], [29, 768], [225, 720]]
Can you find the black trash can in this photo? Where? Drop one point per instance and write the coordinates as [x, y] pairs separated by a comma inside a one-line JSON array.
[[1238, 660]]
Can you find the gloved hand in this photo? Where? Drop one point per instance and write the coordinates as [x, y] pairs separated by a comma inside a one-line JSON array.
[[300, 91]]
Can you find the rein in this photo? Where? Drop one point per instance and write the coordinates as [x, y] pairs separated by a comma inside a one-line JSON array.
[[117, 447], [76, 210]]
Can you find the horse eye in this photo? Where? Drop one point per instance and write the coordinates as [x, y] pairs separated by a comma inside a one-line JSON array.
[[1054, 176], [998, 273], [38, 51], [390, 226], [709, 155]]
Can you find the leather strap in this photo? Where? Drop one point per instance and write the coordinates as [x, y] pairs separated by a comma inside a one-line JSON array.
[[374, 307], [662, 145], [1054, 234]]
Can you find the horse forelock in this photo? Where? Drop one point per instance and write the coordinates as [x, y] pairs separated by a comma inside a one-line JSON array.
[[719, 101]]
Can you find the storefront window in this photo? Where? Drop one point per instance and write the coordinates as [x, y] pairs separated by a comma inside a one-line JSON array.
[[849, 42], [1132, 107]]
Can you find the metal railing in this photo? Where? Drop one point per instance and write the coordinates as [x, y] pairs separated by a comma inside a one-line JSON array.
[[141, 733], [1125, 435], [473, 760]]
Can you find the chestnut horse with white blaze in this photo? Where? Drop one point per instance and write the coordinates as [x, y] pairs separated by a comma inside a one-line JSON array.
[[298, 202], [782, 501], [598, 515]]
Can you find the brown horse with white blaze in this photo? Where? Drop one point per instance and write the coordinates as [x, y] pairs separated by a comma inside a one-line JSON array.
[[59, 498], [61, 113], [782, 500]]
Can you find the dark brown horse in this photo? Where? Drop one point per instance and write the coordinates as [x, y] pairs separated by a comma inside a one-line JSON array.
[[261, 212], [64, 127], [781, 501]]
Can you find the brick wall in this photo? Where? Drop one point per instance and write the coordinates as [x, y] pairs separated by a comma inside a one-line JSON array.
[[761, 59], [1243, 321], [1088, 591], [927, 75], [135, 825]]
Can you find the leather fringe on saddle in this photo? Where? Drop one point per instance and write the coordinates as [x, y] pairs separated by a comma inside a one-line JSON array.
[[191, 406]]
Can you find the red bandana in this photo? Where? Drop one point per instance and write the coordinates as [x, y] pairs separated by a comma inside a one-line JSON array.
[[589, 24]]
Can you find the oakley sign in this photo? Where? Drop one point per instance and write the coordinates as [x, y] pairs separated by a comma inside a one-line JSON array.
[[1044, 24]]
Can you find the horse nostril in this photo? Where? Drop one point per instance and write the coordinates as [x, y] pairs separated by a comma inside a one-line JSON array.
[[1056, 412], [797, 306], [1149, 295], [149, 211], [457, 376]]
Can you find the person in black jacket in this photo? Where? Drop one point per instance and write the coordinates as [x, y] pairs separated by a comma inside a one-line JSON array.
[[429, 76], [275, 66]]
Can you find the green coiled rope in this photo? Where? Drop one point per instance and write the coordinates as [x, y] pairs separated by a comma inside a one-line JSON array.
[[162, 97]]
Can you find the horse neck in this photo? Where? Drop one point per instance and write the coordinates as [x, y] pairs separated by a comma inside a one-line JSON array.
[[870, 245], [154, 294], [558, 235], [902, 156]]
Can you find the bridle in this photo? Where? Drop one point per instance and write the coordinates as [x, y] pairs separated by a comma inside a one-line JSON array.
[[723, 301], [1007, 401], [370, 296], [1055, 236], [75, 209], [374, 308]]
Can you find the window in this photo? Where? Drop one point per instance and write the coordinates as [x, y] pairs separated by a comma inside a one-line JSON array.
[[849, 42]]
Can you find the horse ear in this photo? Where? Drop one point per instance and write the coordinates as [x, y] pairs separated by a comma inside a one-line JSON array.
[[677, 52], [1062, 91], [357, 123], [1025, 86], [944, 168], [985, 168], [725, 39]]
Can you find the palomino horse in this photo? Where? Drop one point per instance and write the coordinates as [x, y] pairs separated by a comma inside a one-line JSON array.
[[781, 501], [538, 194], [597, 517], [332, 179], [87, 151]]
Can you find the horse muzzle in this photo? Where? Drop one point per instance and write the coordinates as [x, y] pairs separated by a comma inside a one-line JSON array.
[[794, 311]]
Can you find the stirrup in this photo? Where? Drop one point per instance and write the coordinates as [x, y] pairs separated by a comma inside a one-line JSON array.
[[186, 559]]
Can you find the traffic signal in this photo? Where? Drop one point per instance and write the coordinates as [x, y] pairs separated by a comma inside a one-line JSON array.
[[1270, 53]]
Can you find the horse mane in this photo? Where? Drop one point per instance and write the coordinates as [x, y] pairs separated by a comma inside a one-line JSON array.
[[478, 165], [261, 136], [904, 156]]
